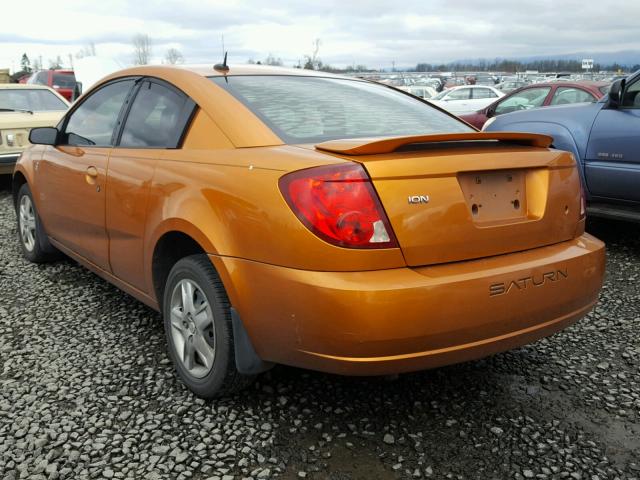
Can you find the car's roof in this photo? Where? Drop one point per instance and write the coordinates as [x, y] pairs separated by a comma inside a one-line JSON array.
[[31, 86], [566, 83], [458, 87], [207, 70]]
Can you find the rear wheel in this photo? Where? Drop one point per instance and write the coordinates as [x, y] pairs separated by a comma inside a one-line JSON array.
[[197, 322], [34, 242]]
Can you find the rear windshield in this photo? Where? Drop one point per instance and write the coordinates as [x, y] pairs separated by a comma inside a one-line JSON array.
[[64, 80], [311, 109], [30, 99]]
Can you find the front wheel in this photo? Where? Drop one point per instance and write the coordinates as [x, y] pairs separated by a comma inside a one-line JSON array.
[[34, 242], [197, 322]]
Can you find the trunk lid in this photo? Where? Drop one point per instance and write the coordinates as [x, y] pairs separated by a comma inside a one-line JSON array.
[[463, 196]]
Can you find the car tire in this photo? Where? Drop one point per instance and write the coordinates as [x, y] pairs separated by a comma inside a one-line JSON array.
[[32, 237], [198, 327]]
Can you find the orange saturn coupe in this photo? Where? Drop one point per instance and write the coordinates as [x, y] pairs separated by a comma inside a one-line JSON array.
[[295, 217]]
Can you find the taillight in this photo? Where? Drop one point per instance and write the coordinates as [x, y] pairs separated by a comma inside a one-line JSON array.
[[339, 204]]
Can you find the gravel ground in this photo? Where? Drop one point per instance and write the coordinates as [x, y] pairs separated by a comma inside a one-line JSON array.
[[87, 391]]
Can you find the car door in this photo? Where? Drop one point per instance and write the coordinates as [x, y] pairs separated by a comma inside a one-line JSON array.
[[612, 163], [72, 175], [458, 100], [155, 122], [480, 98]]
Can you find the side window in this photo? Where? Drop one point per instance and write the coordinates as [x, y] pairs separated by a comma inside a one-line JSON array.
[[461, 94], [156, 117], [523, 100], [483, 93], [631, 97], [566, 95], [93, 122]]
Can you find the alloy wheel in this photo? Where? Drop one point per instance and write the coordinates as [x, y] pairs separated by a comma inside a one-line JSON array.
[[192, 328], [27, 217]]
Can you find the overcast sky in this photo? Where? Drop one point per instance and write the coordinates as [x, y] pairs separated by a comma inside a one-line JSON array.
[[374, 33]]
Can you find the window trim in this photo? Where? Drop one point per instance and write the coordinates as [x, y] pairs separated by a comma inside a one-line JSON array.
[[185, 118], [62, 125]]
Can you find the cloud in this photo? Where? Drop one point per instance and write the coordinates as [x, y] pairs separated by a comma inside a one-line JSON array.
[[374, 32]]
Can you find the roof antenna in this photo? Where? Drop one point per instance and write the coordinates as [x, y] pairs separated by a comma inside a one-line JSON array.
[[222, 67]]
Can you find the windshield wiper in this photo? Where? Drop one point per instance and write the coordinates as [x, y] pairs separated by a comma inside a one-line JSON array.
[[15, 110]]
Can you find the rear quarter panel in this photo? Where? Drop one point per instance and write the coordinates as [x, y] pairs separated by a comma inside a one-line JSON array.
[[228, 200]]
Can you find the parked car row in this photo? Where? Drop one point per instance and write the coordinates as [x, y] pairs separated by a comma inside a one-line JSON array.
[[253, 206]]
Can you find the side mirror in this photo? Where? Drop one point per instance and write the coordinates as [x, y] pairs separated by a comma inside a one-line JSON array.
[[77, 91], [616, 93], [43, 136]]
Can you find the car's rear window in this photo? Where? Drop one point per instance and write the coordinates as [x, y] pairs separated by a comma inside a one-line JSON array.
[[30, 99], [314, 109], [64, 80]]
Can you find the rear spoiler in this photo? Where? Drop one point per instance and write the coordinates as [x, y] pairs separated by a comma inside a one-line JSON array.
[[373, 146]]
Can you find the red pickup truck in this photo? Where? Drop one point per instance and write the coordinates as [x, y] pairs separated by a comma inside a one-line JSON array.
[[62, 81]]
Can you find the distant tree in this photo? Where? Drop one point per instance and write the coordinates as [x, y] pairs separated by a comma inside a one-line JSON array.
[[312, 62], [25, 63], [141, 49], [271, 60], [37, 64], [173, 56], [55, 64], [88, 50]]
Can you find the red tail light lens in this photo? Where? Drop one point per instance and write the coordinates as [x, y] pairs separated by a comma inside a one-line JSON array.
[[339, 204]]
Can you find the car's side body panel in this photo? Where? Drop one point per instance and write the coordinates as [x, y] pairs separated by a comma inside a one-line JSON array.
[[612, 158], [71, 187], [130, 176]]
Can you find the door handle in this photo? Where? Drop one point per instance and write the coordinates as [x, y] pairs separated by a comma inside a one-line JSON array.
[[91, 175]]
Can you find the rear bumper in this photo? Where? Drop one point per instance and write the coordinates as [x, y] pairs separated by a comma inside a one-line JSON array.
[[8, 162], [392, 321]]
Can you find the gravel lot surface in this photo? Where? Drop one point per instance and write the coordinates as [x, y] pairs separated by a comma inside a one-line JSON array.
[[87, 391]]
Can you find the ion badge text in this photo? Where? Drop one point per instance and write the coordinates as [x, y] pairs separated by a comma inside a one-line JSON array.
[[418, 199]]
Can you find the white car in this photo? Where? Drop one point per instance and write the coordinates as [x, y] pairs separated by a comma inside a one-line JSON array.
[[422, 91], [466, 99]]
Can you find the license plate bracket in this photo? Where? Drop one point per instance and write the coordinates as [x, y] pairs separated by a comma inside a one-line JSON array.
[[495, 197]]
